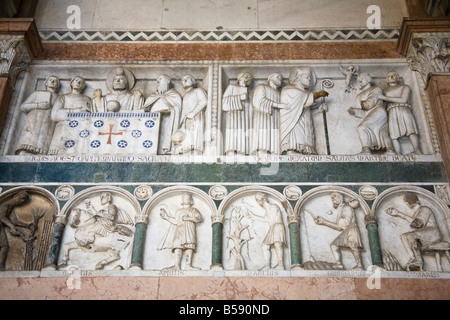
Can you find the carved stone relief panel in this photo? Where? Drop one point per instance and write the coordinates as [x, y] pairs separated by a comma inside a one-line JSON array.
[[333, 231], [100, 225], [27, 215], [179, 230], [414, 226], [255, 233], [358, 110], [323, 109], [108, 110]]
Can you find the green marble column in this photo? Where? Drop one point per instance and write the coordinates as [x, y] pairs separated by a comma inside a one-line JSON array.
[[374, 243], [55, 245], [294, 238], [137, 257], [217, 230]]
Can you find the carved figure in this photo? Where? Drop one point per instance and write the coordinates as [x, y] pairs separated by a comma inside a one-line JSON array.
[[401, 118], [9, 220], [120, 82], [189, 138], [373, 130], [296, 125], [346, 223], [167, 101], [265, 138], [39, 127], [349, 73], [72, 102], [182, 237], [236, 105], [425, 236], [100, 231], [237, 237], [276, 236]]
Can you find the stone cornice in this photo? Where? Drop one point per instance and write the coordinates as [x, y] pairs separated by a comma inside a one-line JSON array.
[[25, 27], [419, 25]]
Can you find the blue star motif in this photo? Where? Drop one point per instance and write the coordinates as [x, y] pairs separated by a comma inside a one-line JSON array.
[[69, 144], [98, 124], [147, 144], [150, 124], [95, 144], [122, 144], [136, 134], [73, 124], [125, 124], [84, 134]]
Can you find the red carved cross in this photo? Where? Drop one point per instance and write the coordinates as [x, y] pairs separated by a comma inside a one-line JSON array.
[[110, 133]]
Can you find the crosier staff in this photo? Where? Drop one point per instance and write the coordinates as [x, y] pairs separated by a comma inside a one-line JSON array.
[[326, 84]]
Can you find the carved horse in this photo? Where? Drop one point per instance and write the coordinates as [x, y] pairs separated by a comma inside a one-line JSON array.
[[88, 238]]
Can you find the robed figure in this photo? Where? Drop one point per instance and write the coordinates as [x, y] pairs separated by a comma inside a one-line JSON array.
[[192, 122], [38, 130], [236, 105], [167, 101], [373, 130], [265, 137], [296, 126]]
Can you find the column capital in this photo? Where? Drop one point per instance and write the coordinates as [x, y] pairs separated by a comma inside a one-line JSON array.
[[19, 45], [425, 42]]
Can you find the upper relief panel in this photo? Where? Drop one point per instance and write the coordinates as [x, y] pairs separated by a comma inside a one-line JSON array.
[[287, 112]]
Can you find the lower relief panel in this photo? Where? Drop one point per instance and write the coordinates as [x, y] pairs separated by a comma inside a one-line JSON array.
[[264, 230]]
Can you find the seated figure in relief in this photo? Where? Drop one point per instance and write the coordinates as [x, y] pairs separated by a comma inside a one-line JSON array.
[[39, 127], [167, 101], [401, 118], [120, 82], [73, 102], [373, 130]]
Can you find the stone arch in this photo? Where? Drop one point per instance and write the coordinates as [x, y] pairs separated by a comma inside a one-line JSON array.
[[76, 217], [41, 208], [315, 239], [252, 256], [391, 228]]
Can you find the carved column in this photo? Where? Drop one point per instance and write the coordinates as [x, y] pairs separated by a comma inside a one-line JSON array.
[[137, 257], [55, 244], [19, 45], [426, 45], [217, 242], [374, 241], [294, 239]]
